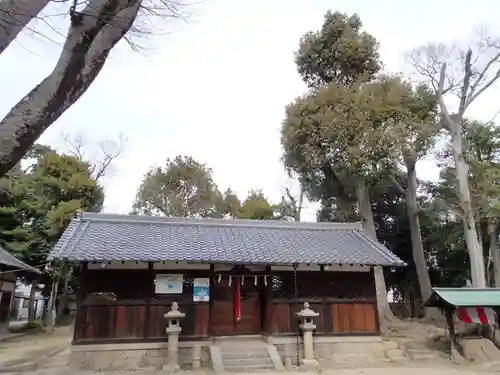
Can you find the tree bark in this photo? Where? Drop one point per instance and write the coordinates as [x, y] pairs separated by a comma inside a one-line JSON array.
[[32, 302], [49, 312], [301, 202], [417, 247], [93, 33], [63, 301], [469, 223], [495, 256], [14, 16], [365, 209], [365, 212]]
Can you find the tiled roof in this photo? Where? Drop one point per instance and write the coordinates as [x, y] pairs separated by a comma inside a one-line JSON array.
[[10, 261], [105, 237]]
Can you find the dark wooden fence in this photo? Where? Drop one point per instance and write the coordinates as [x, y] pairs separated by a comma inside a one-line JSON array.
[[345, 301], [121, 305]]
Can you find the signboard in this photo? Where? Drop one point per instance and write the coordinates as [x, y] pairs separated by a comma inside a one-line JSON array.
[[201, 289], [168, 283]]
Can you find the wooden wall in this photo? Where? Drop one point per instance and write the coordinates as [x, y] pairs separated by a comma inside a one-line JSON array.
[[120, 305], [346, 302]]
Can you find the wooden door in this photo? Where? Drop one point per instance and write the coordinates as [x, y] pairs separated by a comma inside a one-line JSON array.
[[5, 301], [223, 314]]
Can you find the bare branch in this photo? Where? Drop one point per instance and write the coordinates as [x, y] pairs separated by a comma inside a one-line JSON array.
[[110, 150], [397, 185], [99, 155], [465, 84], [96, 26], [14, 16], [439, 95], [76, 145]]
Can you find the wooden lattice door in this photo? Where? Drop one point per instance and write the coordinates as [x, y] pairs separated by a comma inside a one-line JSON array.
[[224, 315]]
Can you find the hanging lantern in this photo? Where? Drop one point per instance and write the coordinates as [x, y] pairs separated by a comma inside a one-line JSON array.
[[231, 280], [255, 280], [219, 278], [265, 280], [242, 280]]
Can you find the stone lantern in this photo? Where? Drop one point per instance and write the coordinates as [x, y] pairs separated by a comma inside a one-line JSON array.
[[307, 326], [174, 329]]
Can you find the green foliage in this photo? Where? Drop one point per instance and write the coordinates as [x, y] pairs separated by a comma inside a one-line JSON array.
[[482, 145], [256, 207], [340, 52], [183, 188], [356, 124], [349, 129], [36, 205], [186, 188], [230, 204]]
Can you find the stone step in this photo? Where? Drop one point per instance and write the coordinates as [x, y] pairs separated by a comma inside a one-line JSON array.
[[242, 354], [420, 355], [247, 362], [242, 348], [252, 368]]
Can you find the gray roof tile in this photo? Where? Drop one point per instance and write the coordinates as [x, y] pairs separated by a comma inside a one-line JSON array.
[[105, 237], [9, 260]]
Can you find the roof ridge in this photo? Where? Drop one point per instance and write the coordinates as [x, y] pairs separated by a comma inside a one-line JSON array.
[[139, 219]]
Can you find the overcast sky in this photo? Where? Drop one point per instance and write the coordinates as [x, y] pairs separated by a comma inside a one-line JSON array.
[[215, 87]]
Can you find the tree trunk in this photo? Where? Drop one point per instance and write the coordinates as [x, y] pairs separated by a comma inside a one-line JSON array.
[[495, 256], [63, 301], [417, 247], [32, 302], [92, 34], [365, 209], [365, 212], [301, 202], [14, 16], [469, 223], [49, 313]]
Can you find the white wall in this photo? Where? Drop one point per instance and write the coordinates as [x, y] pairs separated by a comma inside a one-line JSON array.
[[24, 290]]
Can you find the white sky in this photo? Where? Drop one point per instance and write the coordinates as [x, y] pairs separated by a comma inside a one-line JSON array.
[[215, 87]]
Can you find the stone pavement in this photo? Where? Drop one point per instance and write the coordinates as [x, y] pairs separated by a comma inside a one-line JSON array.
[[23, 350], [351, 371]]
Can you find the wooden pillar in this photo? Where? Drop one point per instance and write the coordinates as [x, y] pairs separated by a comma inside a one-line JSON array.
[[81, 293], [451, 329], [147, 314], [326, 311], [268, 290], [211, 275]]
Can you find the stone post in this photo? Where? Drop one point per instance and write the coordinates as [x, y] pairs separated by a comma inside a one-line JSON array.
[[306, 315], [174, 329], [196, 357]]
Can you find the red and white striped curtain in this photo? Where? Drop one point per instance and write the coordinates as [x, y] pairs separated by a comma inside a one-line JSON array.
[[478, 315]]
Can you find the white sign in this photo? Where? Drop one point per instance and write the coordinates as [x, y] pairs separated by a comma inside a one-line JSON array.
[[201, 289], [169, 283]]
